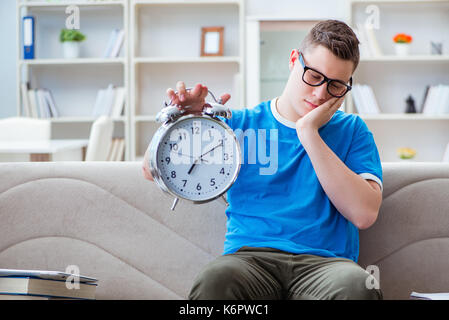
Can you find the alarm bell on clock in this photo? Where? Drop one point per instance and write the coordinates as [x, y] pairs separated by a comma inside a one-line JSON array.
[[197, 156]]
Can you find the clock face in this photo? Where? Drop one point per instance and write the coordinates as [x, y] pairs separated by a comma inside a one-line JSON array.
[[198, 158]]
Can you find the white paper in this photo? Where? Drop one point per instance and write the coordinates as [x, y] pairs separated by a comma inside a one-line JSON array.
[[431, 296]]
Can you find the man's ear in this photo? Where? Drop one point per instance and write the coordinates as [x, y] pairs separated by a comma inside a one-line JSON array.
[[294, 56]]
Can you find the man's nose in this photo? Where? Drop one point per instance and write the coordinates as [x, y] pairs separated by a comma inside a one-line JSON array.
[[321, 91]]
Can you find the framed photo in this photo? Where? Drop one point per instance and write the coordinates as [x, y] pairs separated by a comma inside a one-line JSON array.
[[212, 41]]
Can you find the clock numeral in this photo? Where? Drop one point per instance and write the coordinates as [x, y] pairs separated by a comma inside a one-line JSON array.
[[195, 130], [167, 159], [225, 156], [185, 182], [173, 146], [173, 174], [212, 182], [181, 135], [198, 187], [222, 171]]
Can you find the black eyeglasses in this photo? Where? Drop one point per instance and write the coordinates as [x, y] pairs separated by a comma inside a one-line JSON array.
[[314, 78]]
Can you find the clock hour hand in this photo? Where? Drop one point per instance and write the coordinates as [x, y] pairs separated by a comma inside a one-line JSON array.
[[191, 168]]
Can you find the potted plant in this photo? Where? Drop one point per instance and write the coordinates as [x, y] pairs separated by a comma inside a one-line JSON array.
[[402, 43], [70, 42]]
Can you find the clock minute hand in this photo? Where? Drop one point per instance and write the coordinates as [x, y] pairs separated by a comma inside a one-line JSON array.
[[221, 143]]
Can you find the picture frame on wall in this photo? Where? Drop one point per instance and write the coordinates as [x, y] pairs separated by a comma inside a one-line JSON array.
[[212, 41]]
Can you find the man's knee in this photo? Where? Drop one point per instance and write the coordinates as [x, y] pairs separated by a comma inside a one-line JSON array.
[[217, 281], [354, 283]]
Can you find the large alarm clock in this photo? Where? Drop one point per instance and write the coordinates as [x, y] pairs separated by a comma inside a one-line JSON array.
[[195, 157]]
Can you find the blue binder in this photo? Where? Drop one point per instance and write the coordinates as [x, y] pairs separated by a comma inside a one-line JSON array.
[[28, 37]]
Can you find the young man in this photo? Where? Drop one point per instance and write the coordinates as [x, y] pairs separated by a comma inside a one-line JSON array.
[[294, 234]]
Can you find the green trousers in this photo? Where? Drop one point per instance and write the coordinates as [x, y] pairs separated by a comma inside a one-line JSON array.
[[266, 273]]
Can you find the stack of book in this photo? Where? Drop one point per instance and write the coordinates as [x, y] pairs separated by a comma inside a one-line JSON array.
[[38, 103], [45, 285], [436, 100], [109, 102], [117, 150], [364, 99], [115, 44]]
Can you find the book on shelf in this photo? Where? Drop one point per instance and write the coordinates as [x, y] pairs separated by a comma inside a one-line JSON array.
[[109, 102], [436, 100], [28, 38], [429, 296], [115, 43], [24, 87], [38, 103], [116, 150], [46, 284], [364, 99]]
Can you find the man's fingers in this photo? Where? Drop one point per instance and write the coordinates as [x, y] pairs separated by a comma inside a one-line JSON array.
[[172, 96], [225, 97], [204, 92], [181, 88], [337, 103], [196, 91]]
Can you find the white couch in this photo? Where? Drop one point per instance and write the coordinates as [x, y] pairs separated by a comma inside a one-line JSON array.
[[116, 226]]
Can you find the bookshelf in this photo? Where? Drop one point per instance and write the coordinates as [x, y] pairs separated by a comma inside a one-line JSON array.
[[74, 83], [393, 78], [165, 48]]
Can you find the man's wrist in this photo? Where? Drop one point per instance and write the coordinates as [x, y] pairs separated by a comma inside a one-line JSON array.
[[306, 133]]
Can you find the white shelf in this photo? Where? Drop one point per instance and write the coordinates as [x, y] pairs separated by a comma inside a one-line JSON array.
[[187, 60], [67, 3], [394, 78], [188, 2], [410, 58], [73, 61], [397, 1], [82, 119], [404, 116], [165, 42], [74, 83]]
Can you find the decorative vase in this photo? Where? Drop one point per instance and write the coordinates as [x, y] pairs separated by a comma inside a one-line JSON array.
[[71, 49], [402, 49]]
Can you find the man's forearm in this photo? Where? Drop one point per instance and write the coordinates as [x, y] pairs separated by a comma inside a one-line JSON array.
[[352, 195]]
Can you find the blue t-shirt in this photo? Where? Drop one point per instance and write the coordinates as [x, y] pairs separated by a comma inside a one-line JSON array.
[[277, 200]]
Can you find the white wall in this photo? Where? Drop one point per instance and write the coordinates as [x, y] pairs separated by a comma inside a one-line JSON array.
[[8, 52], [297, 9]]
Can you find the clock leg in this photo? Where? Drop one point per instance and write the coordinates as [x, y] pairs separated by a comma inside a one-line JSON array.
[[175, 202]]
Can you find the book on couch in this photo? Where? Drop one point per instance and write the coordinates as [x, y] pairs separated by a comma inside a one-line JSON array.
[[47, 284]]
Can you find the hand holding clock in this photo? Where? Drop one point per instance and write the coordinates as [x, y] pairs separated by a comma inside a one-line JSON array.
[[194, 99]]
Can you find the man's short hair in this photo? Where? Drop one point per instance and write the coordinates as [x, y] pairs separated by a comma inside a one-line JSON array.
[[336, 36]]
